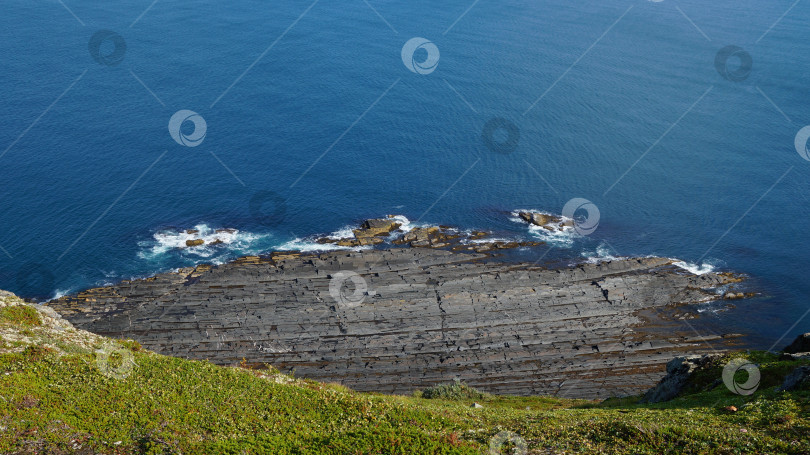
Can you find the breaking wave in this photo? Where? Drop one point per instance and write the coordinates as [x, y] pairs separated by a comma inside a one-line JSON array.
[[218, 245]]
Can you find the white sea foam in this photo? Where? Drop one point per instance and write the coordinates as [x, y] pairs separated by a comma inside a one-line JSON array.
[[713, 306], [346, 232], [310, 245], [563, 238], [59, 293], [232, 240], [694, 268], [602, 254], [488, 240], [406, 224], [559, 236]]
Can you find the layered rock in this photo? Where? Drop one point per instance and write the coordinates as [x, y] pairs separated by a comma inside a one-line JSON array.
[[416, 317]]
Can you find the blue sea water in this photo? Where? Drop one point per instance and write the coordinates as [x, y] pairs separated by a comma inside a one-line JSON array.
[[314, 122]]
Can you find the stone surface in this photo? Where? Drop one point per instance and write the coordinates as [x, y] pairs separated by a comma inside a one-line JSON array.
[[679, 371], [427, 317]]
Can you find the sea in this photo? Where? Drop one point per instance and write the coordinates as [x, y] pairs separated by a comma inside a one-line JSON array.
[[670, 128]]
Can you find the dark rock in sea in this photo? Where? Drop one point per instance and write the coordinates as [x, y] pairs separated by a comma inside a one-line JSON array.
[[370, 233], [195, 242], [418, 317], [679, 371], [192, 231], [797, 379], [428, 237], [550, 222], [800, 344], [378, 226]]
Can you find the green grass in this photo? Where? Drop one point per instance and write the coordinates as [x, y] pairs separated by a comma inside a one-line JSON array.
[[156, 404], [455, 391], [20, 315]]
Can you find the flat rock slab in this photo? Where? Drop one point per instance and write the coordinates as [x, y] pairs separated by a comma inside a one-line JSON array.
[[427, 317]]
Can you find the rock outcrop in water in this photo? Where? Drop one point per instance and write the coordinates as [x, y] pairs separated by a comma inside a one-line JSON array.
[[401, 319]]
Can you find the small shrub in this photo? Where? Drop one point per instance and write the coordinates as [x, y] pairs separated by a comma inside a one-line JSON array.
[[132, 345], [35, 353], [23, 315], [28, 401], [455, 391]]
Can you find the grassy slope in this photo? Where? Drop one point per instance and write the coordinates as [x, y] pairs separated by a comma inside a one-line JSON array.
[[55, 397]]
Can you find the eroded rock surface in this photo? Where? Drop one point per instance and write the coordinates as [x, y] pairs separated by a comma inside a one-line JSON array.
[[427, 316]]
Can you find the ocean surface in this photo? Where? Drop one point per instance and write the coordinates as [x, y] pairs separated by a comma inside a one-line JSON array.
[[309, 118]]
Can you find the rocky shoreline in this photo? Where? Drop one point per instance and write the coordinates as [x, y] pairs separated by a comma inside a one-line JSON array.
[[435, 306]]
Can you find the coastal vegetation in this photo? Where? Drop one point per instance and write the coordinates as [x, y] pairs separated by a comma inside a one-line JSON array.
[[114, 397]]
